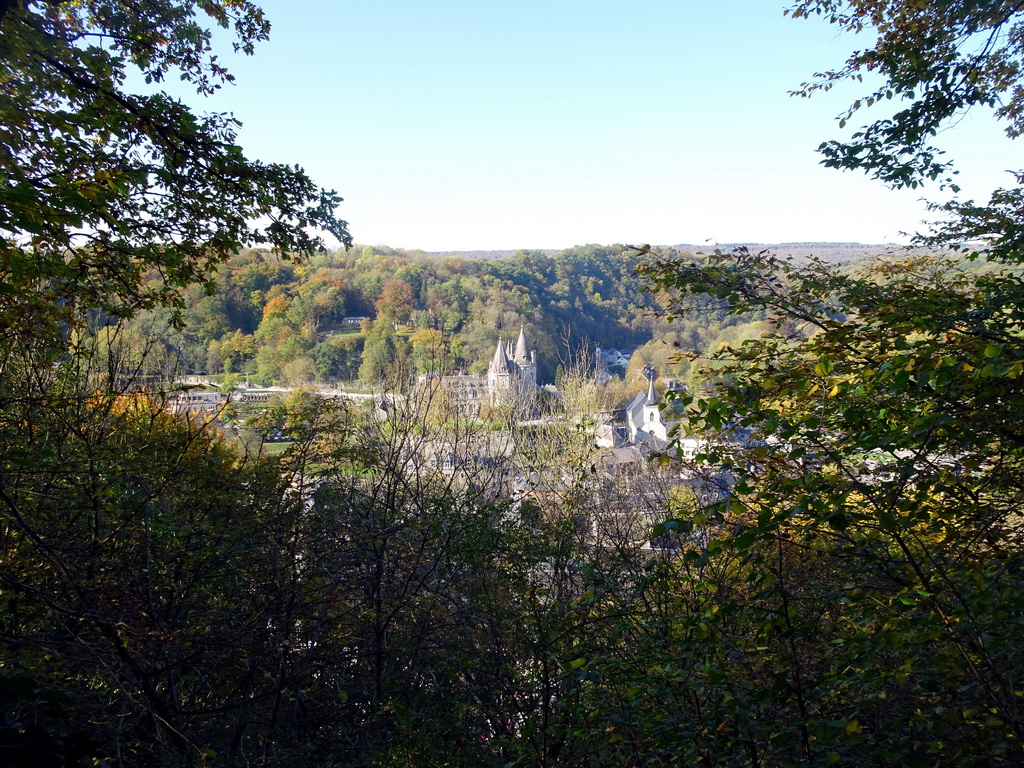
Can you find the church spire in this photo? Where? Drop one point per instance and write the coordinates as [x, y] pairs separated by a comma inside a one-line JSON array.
[[651, 376]]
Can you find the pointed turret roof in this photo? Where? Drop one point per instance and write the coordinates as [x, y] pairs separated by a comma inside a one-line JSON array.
[[522, 355], [500, 362]]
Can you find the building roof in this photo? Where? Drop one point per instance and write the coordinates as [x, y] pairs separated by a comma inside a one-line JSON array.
[[500, 362], [634, 410], [522, 354], [651, 399]]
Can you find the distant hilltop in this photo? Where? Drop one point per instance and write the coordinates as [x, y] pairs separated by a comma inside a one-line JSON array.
[[841, 252], [495, 254]]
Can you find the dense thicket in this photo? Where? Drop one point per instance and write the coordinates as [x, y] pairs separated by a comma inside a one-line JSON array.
[[875, 524]]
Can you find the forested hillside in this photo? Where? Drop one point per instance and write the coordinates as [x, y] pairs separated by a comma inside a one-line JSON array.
[[284, 322]]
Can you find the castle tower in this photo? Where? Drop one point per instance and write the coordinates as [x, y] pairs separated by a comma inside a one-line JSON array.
[[499, 373], [513, 370], [526, 360]]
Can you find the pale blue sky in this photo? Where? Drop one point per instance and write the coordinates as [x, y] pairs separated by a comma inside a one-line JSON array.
[[455, 125]]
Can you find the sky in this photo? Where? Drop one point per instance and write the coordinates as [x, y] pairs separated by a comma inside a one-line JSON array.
[[466, 125]]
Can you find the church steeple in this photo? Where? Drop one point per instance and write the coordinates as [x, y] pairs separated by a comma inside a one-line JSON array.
[[649, 372], [651, 399]]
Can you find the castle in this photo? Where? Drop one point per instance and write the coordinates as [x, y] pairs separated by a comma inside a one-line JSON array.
[[513, 371], [511, 378]]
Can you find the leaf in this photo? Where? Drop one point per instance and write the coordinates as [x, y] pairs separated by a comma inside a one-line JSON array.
[[886, 520], [745, 539]]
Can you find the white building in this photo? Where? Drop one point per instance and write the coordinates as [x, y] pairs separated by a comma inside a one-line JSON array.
[[644, 419]]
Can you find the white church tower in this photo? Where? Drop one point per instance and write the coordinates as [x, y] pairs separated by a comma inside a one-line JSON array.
[[644, 415]]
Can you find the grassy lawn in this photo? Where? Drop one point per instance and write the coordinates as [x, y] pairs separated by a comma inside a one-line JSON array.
[[276, 449]]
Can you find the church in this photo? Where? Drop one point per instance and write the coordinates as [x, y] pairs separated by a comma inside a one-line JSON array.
[[649, 423], [645, 419]]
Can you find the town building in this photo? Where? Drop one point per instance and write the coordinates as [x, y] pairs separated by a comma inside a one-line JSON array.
[[206, 404]]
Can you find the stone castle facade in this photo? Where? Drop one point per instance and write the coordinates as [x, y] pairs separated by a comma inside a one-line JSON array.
[[512, 373], [511, 378]]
